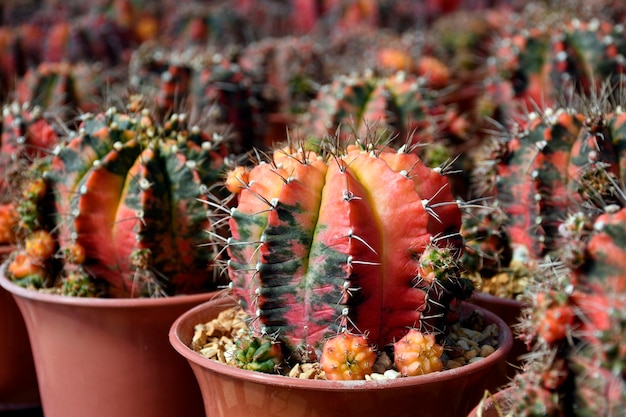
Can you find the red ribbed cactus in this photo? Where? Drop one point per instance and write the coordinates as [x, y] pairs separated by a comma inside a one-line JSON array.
[[324, 243], [129, 214], [553, 164], [575, 322]]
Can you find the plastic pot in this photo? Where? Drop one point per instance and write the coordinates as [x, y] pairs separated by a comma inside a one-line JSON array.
[[108, 357], [229, 391]]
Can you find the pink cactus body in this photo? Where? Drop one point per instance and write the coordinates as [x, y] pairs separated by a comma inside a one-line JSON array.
[[316, 245]]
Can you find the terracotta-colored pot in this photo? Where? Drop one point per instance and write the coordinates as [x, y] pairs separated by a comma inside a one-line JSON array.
[[229, 391], [18, 381], [108, 357], [508, 310], [492, 405]]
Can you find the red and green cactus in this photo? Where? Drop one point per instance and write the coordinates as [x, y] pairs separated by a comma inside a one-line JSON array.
[[26, 136], [575, 322], [128, 192], [68, 89], [361, 103], [554, 164], [326, 243], [555, 59], [206, 85]]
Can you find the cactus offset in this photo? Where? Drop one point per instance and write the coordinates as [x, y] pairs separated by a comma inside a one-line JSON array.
[[417, 354], [347, 357], [258, 354], [315, 248]]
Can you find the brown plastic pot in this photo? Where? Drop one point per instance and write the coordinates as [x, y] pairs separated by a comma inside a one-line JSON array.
[[229, 391], [18, 381], [108, 357]]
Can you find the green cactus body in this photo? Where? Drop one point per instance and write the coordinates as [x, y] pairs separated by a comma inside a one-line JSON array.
[[129, 192], [316, 248]]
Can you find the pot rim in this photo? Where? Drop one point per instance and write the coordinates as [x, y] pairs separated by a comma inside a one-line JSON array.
[[43, 297], [505, 343], [490, 298]]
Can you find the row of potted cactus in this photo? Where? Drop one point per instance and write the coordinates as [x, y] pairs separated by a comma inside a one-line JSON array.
[[348, 231]]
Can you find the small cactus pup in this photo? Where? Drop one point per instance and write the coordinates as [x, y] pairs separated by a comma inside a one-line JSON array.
[[575, 322], [417, 354], [347, 357], [361, 239], [130, 212]]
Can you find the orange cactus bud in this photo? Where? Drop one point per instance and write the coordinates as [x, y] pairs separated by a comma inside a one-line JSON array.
[[40, 245], [347, 357], [23, 266], [417, 354], [237, 179]]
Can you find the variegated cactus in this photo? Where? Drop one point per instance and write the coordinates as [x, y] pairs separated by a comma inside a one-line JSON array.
[[557, 59], [364, 239], [575, 322], [129, 213], [361, 103], [555, 164]]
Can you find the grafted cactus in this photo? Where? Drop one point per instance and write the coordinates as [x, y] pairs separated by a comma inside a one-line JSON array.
[[129, 212], [344, 241], [360, 103]]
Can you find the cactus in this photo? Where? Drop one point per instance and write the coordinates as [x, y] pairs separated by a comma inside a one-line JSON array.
[[26, 136], [208, 85], [315, 249], [361, 103], [417, 354], [128, 192], [257, 354], [555, 164], [556, 60], [347, 357], [575, 324], [67, 88]]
